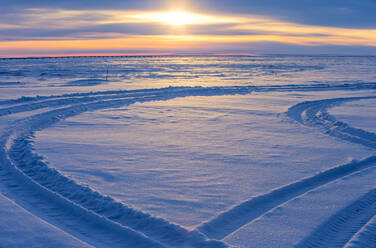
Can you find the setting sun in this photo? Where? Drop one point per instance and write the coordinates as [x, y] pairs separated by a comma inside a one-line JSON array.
[[179, 17]]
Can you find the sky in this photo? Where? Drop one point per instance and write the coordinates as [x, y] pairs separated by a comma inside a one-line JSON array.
[[254, 27]]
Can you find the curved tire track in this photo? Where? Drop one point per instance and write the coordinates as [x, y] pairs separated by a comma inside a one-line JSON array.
[[313, 113], [19, 162], [22, 171]]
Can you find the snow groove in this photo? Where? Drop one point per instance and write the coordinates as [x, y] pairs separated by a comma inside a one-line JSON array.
[[85, 211], [341, 227], [65, 192], [231, 220], [267, 88], [355, 225], [313, 113], [92, 226], [30, 104]]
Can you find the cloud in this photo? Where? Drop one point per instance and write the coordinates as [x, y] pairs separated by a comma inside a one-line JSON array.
[[339, 13], [97, 24], [82, 4], [145, 25]]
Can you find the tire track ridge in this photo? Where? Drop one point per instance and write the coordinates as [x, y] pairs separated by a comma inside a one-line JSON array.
[[231, 220], [94, 223], [314, 113], [365, 237]]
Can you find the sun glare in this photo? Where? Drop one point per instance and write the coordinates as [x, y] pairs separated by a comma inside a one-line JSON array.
[[178, 18]]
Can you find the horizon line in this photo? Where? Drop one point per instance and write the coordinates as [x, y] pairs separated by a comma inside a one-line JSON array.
[[176, 55], [124, 55]]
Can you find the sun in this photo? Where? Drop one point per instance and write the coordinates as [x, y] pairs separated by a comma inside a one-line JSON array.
[[176, 18]]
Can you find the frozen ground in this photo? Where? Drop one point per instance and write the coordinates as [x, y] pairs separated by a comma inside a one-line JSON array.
[[251, 152]]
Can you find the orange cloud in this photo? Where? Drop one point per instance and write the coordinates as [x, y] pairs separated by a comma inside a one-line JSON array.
[[310, 35], [176, 42]]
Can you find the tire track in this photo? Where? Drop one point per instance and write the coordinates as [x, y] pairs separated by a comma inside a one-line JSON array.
[[365, 237], [341, 227], [59, 101], [355, 224], [81, 223], [28, 169], [268, 88], [25, 170], [313, 113], [246, 212]]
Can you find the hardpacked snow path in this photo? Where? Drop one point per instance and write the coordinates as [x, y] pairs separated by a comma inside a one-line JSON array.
[[99, 219]]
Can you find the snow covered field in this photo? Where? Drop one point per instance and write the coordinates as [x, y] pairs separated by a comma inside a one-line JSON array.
[[274, 151]]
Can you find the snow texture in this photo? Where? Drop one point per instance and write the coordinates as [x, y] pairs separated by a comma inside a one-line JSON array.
[[75, 213]]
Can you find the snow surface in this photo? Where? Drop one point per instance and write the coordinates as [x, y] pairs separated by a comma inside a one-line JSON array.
[[195, 156], [188, 151], [20, 228]]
